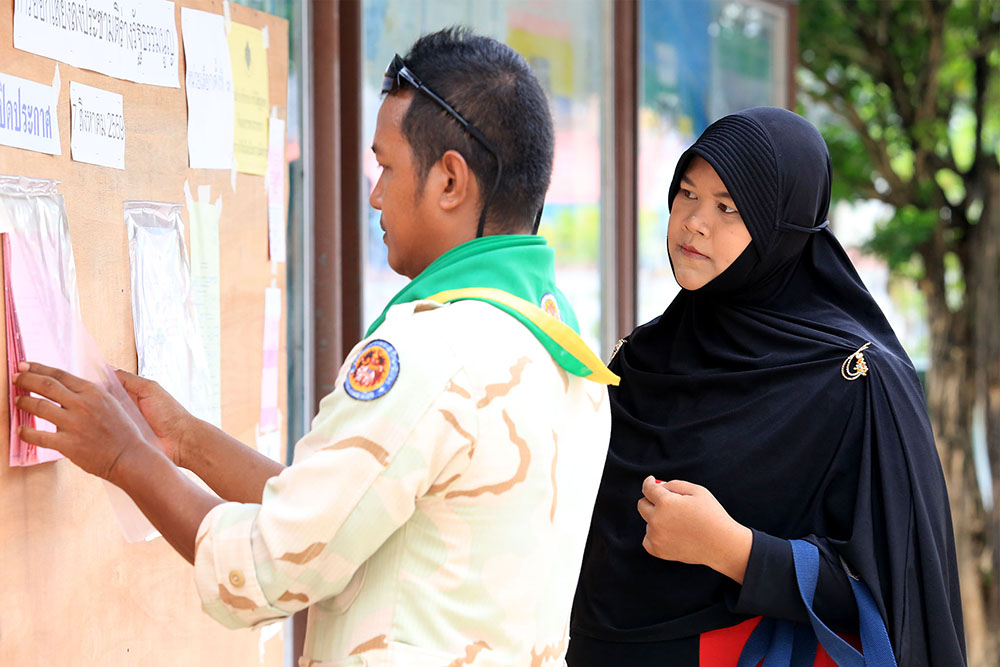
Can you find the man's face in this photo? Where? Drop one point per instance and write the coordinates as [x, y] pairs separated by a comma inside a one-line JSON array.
[[706, 233], [408, 219]]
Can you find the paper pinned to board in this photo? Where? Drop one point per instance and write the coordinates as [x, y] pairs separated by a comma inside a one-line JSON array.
[[269, 367], [267, 633], [204, 216], [249, 59], [167, 341], [29, 115], [209, 84], [137, 42], [44, 324], [41, 300], [276, 189], [269, 443], [97, 126]]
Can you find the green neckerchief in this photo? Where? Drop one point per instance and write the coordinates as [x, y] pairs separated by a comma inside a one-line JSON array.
[[518, 264]]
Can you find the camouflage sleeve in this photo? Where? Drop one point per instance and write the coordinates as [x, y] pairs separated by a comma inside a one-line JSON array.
[[393, 427]]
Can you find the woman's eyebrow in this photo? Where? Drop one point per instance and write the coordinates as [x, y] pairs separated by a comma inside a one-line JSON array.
[[722, 194]]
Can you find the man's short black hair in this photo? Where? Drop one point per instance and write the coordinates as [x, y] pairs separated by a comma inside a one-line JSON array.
[[494, 88]]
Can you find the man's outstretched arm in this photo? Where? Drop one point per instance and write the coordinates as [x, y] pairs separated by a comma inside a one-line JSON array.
[[234, 471], [94, 432]]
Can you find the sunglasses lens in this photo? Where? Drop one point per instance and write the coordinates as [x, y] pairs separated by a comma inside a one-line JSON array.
[[388, 82]]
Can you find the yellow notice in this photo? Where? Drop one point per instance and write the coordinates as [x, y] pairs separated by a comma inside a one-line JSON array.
[[249, 59]]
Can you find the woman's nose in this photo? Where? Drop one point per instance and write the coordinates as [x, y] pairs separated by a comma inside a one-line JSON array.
[[696, 223]]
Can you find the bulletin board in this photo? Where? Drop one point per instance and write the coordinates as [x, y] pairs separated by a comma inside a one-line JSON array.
[[72, 591]]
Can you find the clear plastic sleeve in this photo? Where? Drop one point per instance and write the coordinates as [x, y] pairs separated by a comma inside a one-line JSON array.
[[43, 318], [163, 317]]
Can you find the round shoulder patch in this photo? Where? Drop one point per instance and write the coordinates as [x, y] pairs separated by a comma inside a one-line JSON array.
[[373, 371], [549, 305]]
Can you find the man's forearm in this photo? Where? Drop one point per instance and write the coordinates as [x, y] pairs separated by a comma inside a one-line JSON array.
[[174, 504], [234, 471]]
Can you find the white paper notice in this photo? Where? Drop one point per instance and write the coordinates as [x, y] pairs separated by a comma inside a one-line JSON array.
[[209, 81], [269, 367], [97, 125], [127, 39], [204, 216], [28, 114], [276, 189]]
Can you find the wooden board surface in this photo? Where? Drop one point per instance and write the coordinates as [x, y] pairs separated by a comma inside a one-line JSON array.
[[72, 592]]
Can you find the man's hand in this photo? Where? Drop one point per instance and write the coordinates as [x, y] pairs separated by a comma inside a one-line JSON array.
[[684, 522], [92, 429], [94, 432], [172, 424]]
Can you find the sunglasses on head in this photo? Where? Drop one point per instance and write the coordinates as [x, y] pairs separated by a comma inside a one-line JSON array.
[[397, 74]]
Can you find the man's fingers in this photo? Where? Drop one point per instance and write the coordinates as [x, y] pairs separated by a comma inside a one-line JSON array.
[[40, 407], [43, 385], [38, 438], [68, 380], [136, 386]]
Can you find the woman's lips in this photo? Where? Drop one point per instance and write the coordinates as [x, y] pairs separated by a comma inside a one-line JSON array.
[[689, 251]]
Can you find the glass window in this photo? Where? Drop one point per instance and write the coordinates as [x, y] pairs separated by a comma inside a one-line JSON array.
[[698, 60], [565, 43]]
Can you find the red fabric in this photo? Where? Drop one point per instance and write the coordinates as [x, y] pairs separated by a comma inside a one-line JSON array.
[[722, 647]]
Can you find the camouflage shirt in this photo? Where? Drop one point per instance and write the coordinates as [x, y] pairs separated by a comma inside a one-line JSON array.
[[436, 514]]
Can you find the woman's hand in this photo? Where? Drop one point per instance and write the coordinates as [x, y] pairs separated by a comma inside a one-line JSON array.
[[171, 423], [684, 522], [92, 428]]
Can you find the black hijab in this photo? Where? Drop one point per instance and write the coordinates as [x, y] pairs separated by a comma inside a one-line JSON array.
[[738, 386]]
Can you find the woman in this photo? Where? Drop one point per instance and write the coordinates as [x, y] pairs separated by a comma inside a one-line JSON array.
[[775, 397]]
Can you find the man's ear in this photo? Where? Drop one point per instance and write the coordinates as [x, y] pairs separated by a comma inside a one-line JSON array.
[[458, 183]]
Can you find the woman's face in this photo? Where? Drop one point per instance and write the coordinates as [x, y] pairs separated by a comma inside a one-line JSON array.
[[706, 233]]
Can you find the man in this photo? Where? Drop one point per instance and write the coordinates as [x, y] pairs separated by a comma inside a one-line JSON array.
[[436, 513]]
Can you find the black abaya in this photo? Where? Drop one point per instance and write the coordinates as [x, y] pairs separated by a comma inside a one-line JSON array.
[[740, 387]]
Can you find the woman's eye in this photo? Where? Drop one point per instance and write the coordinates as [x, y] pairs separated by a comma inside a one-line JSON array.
[[688, 194], [726, 209]]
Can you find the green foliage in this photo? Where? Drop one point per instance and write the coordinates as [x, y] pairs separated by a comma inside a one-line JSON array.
[[896, 239], [852, 170], [906, 108]]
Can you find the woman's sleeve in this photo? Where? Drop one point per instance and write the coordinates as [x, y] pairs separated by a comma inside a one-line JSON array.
[[770, 589]]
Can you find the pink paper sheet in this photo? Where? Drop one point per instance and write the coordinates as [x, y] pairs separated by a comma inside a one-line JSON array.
[[44, 325], [40, 297], [269, 368]]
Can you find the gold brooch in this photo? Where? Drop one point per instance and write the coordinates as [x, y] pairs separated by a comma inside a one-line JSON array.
[[860, 365], [618, 346]]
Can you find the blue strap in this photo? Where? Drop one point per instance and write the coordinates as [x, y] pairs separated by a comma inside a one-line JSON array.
[[786, 643], [757, 644], [874, 639], [779, 654], [779, 644], [804, 650]]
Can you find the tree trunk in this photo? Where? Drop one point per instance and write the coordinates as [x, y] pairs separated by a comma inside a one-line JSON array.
[[983, 287], [951, 397]]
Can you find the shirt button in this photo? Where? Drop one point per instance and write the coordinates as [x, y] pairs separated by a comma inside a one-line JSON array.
[[236, 578]]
